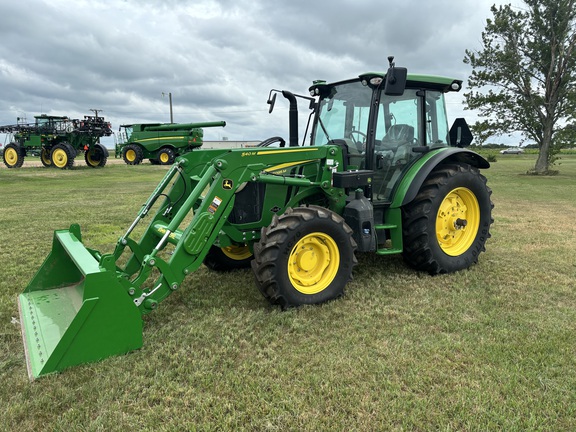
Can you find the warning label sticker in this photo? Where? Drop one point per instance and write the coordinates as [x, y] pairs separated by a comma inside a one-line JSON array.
[[214, 205]]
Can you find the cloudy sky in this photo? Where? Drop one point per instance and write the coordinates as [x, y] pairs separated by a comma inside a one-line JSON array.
[[218, 58]]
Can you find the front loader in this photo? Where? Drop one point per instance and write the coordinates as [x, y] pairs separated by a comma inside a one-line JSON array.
[[381, 173]]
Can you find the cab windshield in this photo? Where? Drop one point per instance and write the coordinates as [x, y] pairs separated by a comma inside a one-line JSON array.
[[43, 125], [343, 114], [127, 133]]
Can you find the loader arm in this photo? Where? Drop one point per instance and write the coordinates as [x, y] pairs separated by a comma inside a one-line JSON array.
[[196, 209]]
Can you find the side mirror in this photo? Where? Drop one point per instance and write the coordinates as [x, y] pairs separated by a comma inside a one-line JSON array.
[[271, 101], [395, 81], [460, 134]]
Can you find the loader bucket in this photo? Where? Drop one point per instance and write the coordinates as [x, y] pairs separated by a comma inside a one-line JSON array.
[[75, 311]]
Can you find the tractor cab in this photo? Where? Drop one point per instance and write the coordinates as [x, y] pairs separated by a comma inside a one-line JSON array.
[[53, 124], [380, 128], [125, 132]]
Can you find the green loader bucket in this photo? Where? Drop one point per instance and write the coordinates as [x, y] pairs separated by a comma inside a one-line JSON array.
[[75, 311]]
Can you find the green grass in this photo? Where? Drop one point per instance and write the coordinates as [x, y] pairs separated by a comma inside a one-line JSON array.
[[489, 348]]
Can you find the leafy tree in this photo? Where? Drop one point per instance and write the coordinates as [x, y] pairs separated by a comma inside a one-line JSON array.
[[524, 77]]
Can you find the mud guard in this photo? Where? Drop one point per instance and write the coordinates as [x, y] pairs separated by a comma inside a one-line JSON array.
[[415, 177]]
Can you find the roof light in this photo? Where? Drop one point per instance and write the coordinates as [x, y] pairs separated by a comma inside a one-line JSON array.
[[376, 81]]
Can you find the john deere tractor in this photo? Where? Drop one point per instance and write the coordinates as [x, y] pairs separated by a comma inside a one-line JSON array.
[[161, 143], [380, 173], [57, 140]]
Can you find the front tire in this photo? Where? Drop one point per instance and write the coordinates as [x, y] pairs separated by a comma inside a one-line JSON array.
[[447, 225], [13, 155], [305, 256]]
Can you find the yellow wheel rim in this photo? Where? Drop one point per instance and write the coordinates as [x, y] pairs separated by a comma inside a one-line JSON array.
[[237, 253], [458, 221], [93, 159], [130, 155], [164, 157], [313, 263], [45, 156], [11, 156], [59, 158]]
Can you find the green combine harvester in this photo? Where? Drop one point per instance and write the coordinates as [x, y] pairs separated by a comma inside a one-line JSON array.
[[381, 173], [161, 143], [57, 140]]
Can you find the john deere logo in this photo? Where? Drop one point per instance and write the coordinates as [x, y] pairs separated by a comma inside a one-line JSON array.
[[227, 184]]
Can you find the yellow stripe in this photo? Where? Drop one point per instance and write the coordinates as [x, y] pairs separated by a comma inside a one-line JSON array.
[[287, 165], [161, 138]]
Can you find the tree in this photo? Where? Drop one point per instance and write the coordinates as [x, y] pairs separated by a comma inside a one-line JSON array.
[[524, 77]]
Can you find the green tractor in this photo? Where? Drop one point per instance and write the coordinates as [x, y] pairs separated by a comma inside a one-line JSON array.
[[57, 140], [382, 173], [162, 143]]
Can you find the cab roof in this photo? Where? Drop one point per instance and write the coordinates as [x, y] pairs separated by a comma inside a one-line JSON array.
[[435, 82]]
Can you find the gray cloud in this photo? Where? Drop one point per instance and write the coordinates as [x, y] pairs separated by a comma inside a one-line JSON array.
[[218, 58]]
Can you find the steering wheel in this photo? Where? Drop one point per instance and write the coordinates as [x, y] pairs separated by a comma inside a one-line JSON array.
[[272, 140], [359, 145]]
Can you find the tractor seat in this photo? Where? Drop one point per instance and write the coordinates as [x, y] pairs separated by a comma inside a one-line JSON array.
[[398, 134], [395, 150]]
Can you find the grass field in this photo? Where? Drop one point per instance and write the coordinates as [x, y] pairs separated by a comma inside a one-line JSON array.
[[489, 348]]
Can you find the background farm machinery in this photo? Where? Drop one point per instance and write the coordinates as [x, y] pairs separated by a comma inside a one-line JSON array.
[[161, 143], [57, 140]]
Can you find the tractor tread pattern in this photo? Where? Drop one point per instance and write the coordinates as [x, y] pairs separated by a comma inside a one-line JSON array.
[[137, 151], [166, 151], [70, 155], [417, 214], [267, 250]]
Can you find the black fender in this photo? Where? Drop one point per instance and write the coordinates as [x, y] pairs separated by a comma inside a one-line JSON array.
[[418, 173], [103, 148]]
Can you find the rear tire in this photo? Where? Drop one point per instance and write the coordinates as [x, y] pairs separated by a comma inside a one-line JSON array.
[[447, 225], [305, 256], [45, 157], [228, 258], [95, 157], [132, 154], [62, 156], [13, 155], [166, 156]]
